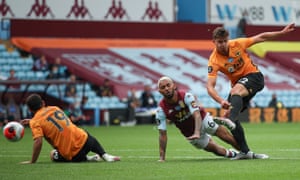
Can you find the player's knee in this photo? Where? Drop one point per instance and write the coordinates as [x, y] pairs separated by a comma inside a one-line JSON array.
[[198, 143]]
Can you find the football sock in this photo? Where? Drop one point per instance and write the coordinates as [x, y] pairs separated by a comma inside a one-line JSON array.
[[96, 146], [239, 135], [236, 106]]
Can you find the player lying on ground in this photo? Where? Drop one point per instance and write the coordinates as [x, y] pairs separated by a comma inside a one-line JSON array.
[[70, 143], [182, 109]]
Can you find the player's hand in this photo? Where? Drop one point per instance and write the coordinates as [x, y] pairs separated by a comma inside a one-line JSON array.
[[194, 136], [25, 121], [225, 104], [288, 28]]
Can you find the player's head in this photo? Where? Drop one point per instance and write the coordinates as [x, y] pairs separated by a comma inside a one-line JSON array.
[[34, 102], [166, 87], [220, 33], [220, 39]]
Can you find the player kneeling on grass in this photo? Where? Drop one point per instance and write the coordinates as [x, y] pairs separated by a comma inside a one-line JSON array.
[[71, 143], [182, 109]]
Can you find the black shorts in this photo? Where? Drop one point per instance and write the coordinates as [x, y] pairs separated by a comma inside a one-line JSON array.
[[254, 83], [81, 155]]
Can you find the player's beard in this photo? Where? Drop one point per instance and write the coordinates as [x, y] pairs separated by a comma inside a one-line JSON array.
[[169, 94]]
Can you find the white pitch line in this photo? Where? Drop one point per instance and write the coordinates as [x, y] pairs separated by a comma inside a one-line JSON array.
[[204, 157], [156, 157], [192, 150]]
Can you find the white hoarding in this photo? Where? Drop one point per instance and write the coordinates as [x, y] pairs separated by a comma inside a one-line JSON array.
[[259, 12], [100, 10]]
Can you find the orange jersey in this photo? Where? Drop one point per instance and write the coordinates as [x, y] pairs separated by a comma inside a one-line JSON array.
[[234, 66], [51, 122]]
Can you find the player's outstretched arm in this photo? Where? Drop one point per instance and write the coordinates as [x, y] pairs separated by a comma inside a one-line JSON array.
[[25, 122], [162, 145], [265, 36], [198, 124], [37, 146]]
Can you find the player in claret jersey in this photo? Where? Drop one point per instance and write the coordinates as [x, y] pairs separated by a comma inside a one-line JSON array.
[[182, 109], [231, 58]]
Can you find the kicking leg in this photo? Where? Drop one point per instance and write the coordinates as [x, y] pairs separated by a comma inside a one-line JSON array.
[[227, 137], [238, 132]]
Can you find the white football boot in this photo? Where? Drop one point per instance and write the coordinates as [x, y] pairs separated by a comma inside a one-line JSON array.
[[110, 158], [226, 122], [249, 155], [94, 158]]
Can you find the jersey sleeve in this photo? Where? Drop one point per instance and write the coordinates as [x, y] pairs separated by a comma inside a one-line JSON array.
[[161, 119], [245, 42], [212, 67], [36, 129], [191, 102]]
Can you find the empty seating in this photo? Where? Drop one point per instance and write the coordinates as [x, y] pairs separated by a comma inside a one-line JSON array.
[[2, 48]]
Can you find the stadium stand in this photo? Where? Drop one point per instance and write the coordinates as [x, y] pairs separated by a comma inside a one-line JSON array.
[[131, 63], [124, 63]]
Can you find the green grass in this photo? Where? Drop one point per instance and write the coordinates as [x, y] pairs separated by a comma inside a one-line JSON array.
[[138, 148]]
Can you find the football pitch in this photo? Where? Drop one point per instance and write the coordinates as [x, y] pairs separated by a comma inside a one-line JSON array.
[[138, 148]]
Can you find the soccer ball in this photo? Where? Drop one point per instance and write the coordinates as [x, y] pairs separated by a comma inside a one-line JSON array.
[[13, 131]]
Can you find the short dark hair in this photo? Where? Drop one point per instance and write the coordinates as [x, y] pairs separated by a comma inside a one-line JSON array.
[[220, 32], [34, 102]]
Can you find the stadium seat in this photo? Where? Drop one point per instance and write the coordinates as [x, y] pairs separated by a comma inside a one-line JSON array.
[[3, 62], [36, 88], [6, 68], [2, 48], [79, 87], [40, 75], [29, 61], [103, 105], [15, 54], [105, 100], [21, 75], [70, 100], [19, 62], [87, 87], [30, 75], [2, 87], [5, 54], [16, 67], [11, 61], [91, 105], [121, 105], [114, 99], [91, 94]]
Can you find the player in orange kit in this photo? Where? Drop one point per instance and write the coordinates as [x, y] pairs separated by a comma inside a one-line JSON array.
[[70, 143], [231, 58]]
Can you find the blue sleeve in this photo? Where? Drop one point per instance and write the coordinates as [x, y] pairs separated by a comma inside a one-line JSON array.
[[161, 119], [191, 102]]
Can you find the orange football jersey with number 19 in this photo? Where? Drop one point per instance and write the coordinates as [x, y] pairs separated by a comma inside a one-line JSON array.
[[51, 122]]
